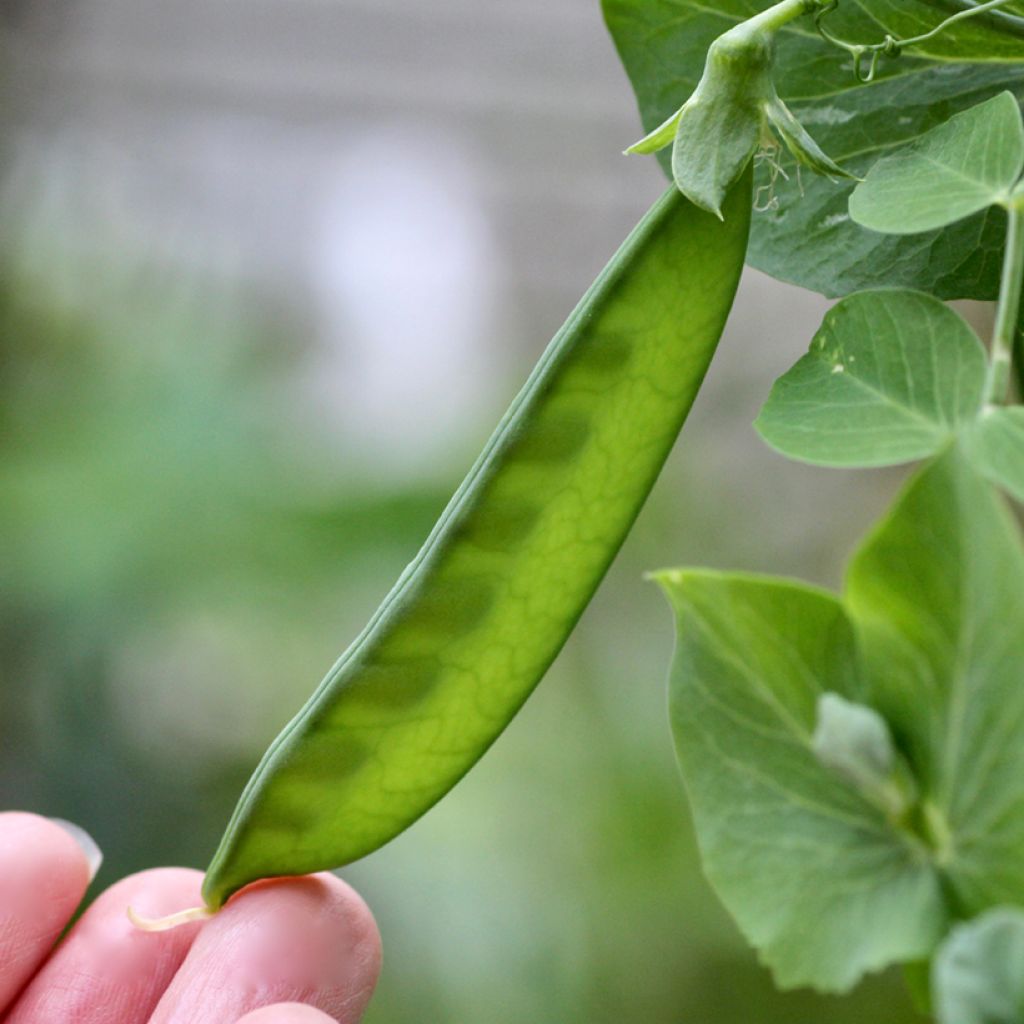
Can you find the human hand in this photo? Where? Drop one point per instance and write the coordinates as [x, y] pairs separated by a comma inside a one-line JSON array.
[[288, 951]]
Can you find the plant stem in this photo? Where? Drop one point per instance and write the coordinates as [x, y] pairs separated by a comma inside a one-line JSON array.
[[780, 14], [1018, 355], [1005, 22], [890, 46], [1009, 305], [965, 12]]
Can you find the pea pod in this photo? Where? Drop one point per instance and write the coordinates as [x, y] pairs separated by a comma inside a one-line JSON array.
[[479, 615]]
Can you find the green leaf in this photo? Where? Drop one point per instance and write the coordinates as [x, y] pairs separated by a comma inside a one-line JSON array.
[[827, 880], [808, 238], [890, 377], [996, 445], [937, 596], [978, 976], [966, 164], [814, 873]]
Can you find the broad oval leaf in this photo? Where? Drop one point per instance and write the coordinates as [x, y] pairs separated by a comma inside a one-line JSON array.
[[978, 975], [937, 597], [826, 875], [996, 446], [819, 880], [890, 377], [807, 237], [966, 164]]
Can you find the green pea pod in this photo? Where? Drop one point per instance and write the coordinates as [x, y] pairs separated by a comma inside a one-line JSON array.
[[482, 611]]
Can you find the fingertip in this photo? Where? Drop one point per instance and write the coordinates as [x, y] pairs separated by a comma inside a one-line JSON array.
[[308, 940], [105, 964], [323, 894], [44, 872], [47, 846], [89, 847], [362, 925]]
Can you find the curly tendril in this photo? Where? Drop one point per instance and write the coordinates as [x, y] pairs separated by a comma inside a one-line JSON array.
[[890, 46]]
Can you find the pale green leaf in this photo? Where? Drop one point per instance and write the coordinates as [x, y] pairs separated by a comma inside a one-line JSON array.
[[814, 873], [890, 377], [824, 878], [807, 236], [978, 975], [966, 164], [996, 445], [937, 597]]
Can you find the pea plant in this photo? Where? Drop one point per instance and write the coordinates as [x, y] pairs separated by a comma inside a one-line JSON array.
[[854, 762]]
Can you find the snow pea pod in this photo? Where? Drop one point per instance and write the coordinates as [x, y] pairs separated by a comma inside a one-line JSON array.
[[482, 611]]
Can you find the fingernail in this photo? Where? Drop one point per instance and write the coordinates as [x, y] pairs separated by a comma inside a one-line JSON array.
[[93, 854]]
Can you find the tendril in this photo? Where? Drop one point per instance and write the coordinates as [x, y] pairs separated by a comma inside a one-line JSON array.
[[890, 46]]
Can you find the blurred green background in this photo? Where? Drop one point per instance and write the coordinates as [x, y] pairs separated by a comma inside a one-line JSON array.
[[269, 274]]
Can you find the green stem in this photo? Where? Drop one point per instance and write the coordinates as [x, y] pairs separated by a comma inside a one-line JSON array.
[[965, 12], [780, 14], [1018, 355], [1001, 360], [1002, 20], [893, 47]]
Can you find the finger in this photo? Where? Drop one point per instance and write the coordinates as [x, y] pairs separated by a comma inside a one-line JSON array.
[[44, 873], [307, 940], [107, 971], [287, 1013]]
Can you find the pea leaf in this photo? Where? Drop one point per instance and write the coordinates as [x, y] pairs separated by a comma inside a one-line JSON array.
[[996, 445], [813, 872], [978, 976], [826, 874], [966, 164], [890, 376], [937, 595], [807, 237]]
